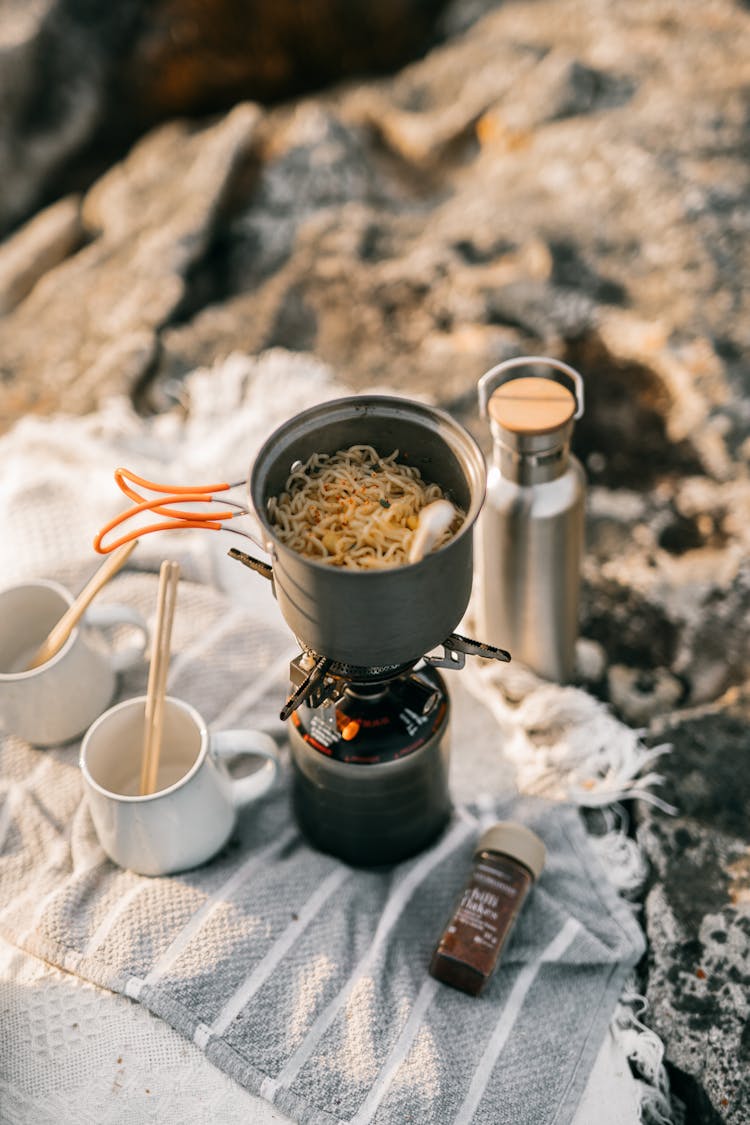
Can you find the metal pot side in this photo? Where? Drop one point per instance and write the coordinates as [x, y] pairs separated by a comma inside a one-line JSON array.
[[385, 617]]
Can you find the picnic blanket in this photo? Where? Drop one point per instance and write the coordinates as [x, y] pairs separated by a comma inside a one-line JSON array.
[[301, 978]]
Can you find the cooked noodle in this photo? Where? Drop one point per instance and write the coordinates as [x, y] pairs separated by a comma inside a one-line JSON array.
[[354, 509]]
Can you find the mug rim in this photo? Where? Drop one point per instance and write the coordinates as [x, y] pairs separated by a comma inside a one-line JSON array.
[[67, 596], [139, 798]]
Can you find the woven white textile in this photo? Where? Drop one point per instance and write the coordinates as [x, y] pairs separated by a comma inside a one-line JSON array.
[[55, 488]]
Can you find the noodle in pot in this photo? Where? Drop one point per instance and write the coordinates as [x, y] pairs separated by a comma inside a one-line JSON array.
[[354, 509]]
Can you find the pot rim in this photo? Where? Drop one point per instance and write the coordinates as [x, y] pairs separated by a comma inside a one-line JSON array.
[[392, 405]]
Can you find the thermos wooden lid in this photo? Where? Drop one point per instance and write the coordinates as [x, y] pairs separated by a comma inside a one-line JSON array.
[[531, 405]]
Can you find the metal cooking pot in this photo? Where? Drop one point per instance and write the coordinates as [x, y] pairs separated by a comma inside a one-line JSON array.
[[374, 618]]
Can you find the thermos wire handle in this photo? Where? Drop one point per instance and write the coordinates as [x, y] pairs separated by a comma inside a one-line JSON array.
[[493, 378]]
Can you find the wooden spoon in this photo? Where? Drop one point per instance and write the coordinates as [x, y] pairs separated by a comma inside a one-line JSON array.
[[67, 623]]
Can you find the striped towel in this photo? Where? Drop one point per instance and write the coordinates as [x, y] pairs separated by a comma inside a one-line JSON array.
[[303, 979]]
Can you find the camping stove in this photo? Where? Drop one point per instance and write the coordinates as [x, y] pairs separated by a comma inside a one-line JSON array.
[[370, 751], [368, 711]]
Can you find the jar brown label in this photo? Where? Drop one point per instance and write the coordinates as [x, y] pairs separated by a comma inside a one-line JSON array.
[[470, 946]]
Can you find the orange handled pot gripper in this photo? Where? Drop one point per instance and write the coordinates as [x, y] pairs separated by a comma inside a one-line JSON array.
[[163, 505]]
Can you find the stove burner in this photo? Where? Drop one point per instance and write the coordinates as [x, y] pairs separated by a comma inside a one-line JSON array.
[[376, 723], [317, 680]]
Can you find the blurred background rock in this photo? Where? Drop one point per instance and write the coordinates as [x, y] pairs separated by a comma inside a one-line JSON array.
[[413, 191]]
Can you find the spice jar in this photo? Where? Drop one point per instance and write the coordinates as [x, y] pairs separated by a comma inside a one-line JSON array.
[[508, 858]]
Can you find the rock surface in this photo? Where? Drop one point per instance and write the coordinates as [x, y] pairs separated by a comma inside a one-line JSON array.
[[149, 219], [54, 59], [562, 179], [48, 239], [698, 912], [79, 81]]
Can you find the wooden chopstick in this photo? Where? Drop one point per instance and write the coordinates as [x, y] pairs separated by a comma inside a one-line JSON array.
[[67, 623], [169, 577]]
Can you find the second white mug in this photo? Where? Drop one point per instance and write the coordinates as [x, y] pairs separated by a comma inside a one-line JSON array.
[[194, 809]]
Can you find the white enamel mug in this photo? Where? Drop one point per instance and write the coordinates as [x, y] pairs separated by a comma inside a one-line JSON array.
[[194, 810], [57, 701]]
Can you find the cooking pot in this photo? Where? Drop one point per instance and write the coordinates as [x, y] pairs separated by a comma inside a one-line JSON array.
[[374, 618]]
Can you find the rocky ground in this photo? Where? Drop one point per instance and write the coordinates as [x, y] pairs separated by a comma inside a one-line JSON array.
[[562, 178]]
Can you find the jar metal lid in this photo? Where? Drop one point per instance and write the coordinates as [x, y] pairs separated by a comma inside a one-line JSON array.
[[516, 841]]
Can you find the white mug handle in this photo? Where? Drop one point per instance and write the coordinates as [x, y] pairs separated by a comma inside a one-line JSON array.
[[103, 616], [229, 743]]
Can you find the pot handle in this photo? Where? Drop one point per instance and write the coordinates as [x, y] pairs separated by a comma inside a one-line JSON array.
[[163, 505], [252, 563], [493, 378]]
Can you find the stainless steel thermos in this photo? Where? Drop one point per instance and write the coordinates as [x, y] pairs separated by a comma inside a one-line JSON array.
[[530, 530]]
